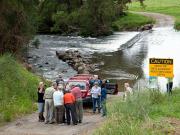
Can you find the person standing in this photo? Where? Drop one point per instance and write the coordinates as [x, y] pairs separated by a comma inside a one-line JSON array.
[[41, 101], [49, 106], [103, 99], [128, 90], [96, 93], [60, 80], [69, 101], [97, 79], [169, 85], [78, 103], [58, 99]]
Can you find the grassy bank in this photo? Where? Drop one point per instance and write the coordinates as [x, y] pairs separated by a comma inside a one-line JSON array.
[[145, 113], [131, 21], [169, 7], [17, 89]]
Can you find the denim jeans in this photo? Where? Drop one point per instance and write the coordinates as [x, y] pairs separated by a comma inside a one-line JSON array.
[[96, 101]]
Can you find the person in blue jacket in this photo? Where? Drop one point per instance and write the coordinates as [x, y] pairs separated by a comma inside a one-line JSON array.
[[103, 99]]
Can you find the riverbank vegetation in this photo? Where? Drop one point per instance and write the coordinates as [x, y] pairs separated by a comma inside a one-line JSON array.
[[87, 18], [18, 24], [17, 89], [144, 113], [169, 7]]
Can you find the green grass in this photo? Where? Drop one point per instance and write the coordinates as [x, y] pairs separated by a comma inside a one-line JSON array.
[[144, 113], [169, 7], [17, 89], [131, 21]]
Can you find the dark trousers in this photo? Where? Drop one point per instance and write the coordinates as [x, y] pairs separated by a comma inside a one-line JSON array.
[[96, 101], [79, 109], [169, 87], [59, 113], [71, 112]]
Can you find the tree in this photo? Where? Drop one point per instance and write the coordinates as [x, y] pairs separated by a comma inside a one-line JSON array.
[[99, 15], [17, 24]]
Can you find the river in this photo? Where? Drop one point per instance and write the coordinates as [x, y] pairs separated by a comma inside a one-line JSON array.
[[125, 55]]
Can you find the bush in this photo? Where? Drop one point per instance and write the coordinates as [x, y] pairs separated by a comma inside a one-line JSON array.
[[66, 23]]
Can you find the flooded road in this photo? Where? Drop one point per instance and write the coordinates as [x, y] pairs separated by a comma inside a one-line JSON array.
[[125, 54]]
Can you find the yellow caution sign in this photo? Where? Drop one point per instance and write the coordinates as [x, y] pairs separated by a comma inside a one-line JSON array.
[[161, 67]]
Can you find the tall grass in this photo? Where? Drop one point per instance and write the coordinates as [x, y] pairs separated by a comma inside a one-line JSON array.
[[17, 89], [169, 7], [141, 114]]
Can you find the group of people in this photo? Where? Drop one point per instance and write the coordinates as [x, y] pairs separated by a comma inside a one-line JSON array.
[[58, 103], [64, 104]]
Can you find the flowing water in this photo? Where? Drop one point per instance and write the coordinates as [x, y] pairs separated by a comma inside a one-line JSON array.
[[125, 54]]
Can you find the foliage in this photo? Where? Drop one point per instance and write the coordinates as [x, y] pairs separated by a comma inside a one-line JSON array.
[[17, 24], [65, 23], [169, 7], [17, 89], [90, 18], [142, 114]]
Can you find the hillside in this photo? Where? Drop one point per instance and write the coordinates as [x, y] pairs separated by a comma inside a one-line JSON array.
[[17, 89]]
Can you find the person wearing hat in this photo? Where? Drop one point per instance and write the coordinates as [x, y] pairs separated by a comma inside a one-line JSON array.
[[96, 93]]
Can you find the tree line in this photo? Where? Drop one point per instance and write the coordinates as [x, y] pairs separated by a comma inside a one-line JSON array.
[[21, 19]]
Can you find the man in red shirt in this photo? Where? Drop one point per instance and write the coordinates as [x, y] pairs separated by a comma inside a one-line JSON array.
[[69, 101], [78, 103]]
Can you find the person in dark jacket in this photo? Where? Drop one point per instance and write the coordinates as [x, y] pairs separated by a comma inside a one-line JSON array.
[[41, 101], [103, 99], [169, 85], [60, 80]]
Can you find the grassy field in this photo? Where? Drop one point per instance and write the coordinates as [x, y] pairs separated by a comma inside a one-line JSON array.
[[131, 21], [169, 7], [144, 113], [17, 89]]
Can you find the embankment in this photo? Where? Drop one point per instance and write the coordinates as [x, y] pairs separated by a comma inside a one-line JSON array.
[[17, 89]]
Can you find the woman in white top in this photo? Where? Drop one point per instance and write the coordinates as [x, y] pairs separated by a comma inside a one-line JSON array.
[[58, 99], [96, 93]]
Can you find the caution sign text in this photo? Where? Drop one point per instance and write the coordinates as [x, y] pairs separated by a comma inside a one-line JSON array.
[[161, 67]]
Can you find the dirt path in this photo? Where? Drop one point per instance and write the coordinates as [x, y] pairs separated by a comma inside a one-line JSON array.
[[30, 126], [161, 19], [176, 124]]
